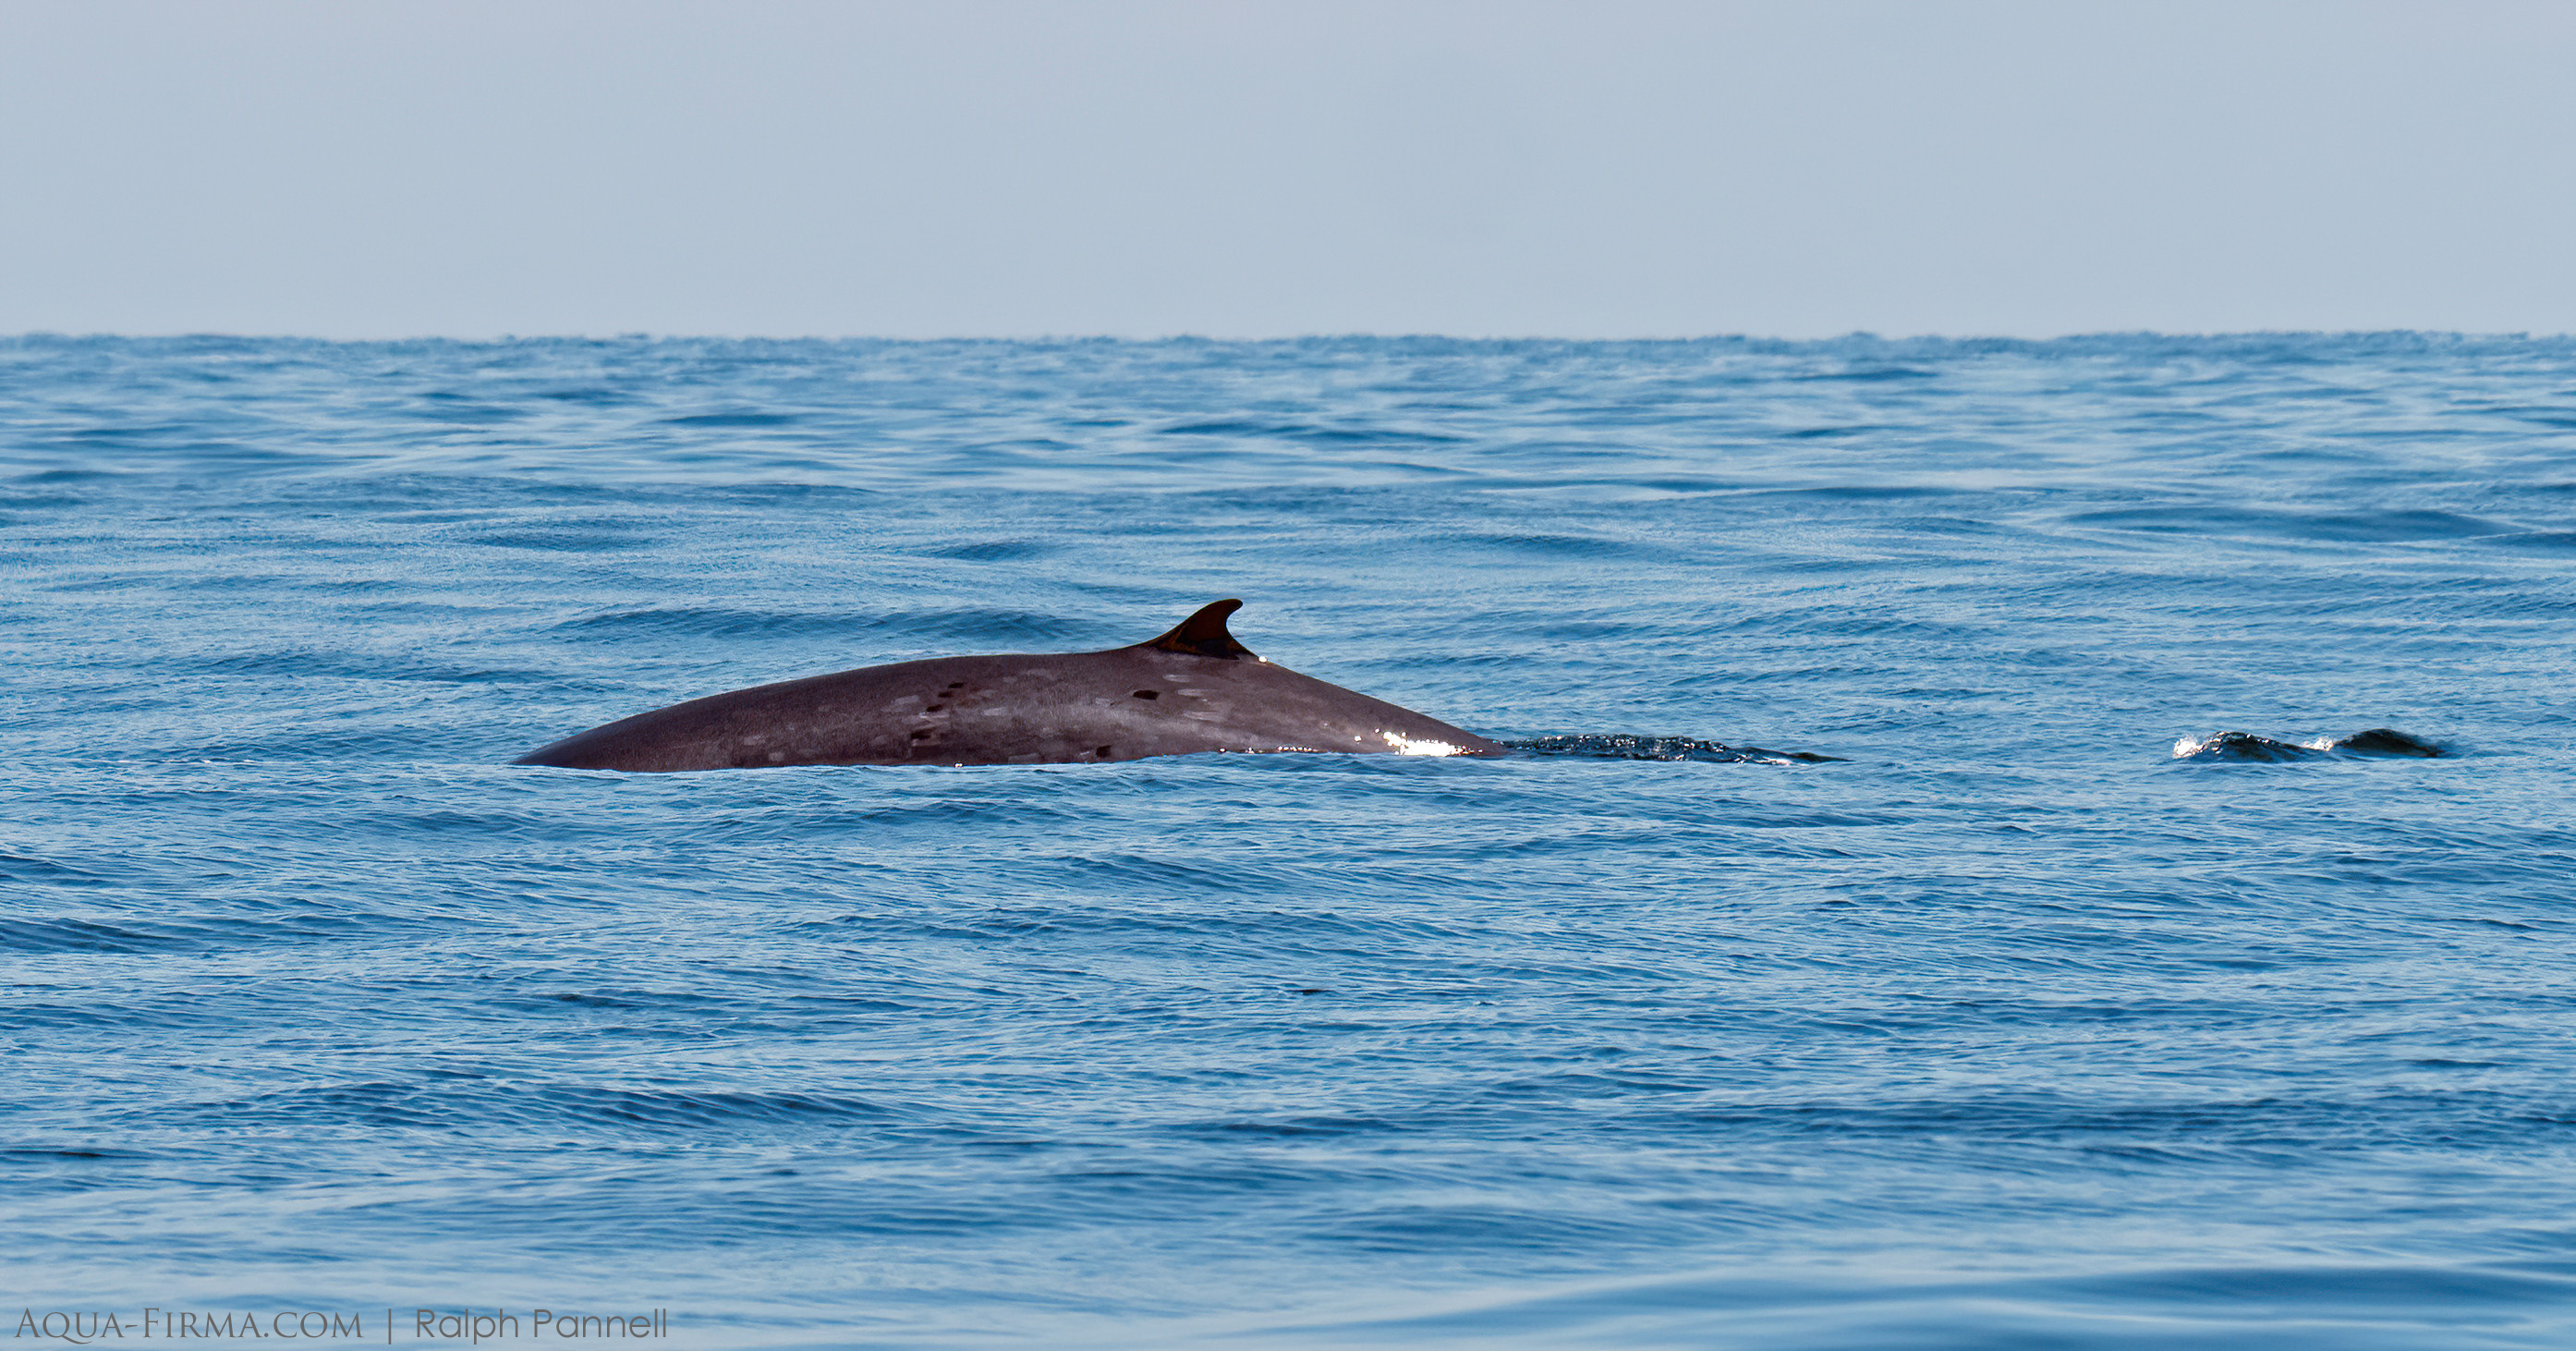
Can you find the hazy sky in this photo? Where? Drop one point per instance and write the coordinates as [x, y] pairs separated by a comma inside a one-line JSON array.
[[1129, 167]]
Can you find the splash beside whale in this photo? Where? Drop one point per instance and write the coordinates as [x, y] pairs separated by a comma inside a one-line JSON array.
[[1192, 690]]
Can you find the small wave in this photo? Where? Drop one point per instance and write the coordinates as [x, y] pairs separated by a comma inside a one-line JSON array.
[[30, 868], [1311, 434], [309, 663], [1871, 374], [1287, 1128], [1554, 546], [731, 419], [2400, 526], [569, 539], [1623, 746], [2554, 540], [39, 1154], [475, 1097], [2299, 1308], [449, 406], [710, 622], [1226, 428], [658, 1108], [994, 551], [599, 396], [2245, 747], [976, 625], [75, 935], [2382, 527]]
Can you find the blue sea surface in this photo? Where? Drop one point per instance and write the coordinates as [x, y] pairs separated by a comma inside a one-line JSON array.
[[2046, 1015]]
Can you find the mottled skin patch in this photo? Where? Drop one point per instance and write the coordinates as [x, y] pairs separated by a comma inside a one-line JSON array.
[[1190, 691]]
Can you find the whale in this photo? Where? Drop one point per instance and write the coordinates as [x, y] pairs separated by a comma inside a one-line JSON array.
[[1191, 691], [2376, 742]]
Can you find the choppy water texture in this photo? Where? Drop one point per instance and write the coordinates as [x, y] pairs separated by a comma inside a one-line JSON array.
[[2036, 1018]]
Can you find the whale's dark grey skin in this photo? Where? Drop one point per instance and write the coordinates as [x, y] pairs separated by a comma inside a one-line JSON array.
[[2383, 742], [1194, 689]]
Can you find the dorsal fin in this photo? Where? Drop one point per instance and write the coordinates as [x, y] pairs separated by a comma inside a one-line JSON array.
[[1203, 634]]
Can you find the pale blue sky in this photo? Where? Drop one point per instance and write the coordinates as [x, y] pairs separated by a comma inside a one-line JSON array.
[[1125, 167]]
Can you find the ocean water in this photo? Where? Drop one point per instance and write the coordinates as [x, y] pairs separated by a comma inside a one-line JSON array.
[[2048, 1013]]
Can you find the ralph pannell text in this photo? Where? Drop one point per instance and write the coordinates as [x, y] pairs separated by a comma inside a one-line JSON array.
[[86, 1326]]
